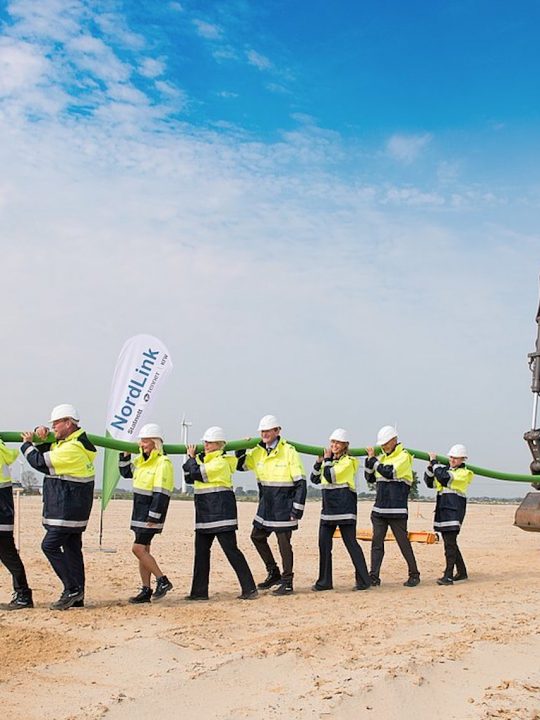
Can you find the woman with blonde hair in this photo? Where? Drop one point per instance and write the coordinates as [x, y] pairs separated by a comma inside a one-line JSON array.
[[153, 483], [336, 472]]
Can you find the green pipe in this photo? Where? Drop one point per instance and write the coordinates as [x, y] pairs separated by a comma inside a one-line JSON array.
[[109, 442]]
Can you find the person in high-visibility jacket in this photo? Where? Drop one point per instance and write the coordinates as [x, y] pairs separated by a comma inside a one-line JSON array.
[[210, 472], [282, 495], [68, 494], [392, 472], [336, 472], [153, 482], [9, 555], [450, 507]]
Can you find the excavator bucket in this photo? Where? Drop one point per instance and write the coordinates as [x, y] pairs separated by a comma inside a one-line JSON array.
[[528, 513]]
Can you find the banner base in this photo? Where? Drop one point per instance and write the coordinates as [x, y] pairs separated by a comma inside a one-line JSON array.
[[100, 548]]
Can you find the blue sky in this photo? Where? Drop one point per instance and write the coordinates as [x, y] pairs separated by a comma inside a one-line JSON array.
[[314, 205]]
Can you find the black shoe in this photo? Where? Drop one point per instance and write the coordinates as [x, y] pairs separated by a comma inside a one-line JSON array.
[[163, 586], [321, 588], [375, 580], [460, 576], [273, 578], [195, 597], [250, 595], [21, 599], [445, 580], [285, 588], [413, 581], [79, 603], [143, 597], [363, 587], [67, 599]]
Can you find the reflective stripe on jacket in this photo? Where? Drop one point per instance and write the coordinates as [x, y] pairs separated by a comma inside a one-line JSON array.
[[393, 475], [215, 501], [68, 486], [338, 485], [282, 485]]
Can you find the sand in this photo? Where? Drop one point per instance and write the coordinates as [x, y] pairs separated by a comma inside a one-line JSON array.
[[467, 651]]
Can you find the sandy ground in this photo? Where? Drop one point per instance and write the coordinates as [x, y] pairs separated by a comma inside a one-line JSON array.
[[467, 651]]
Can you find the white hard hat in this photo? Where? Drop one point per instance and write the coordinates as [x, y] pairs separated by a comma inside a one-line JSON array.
[[64, 411], [340, 435], [268, 422], [458, 451], [385, 434], [214, 434], [150, 430]]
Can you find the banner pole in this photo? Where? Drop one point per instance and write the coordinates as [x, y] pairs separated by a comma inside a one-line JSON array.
[[101, 527]]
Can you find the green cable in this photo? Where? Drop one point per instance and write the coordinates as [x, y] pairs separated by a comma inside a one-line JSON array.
[[111, 443]]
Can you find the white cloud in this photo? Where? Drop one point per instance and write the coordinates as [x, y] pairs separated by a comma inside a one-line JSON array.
[[407, 148], [412, 196], [278, 89], [259, 61], [151, 68], [21, 65], [48, 20], [93, 55], [207, 30], [224, 52]]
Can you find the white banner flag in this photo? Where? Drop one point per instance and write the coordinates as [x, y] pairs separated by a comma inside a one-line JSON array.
[[141, 369]]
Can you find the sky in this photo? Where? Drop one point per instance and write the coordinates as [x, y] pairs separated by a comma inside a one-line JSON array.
[[327, 211]]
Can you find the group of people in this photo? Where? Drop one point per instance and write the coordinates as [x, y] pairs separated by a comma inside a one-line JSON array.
[[68, 490]]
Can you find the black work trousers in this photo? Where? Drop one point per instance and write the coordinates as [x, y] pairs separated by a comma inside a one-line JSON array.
[[259, 538], [453, 556], [201, 565], [348, 534], [11, 559], [64, 551], [399, 528]]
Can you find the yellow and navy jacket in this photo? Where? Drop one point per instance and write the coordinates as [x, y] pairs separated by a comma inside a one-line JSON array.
[[7, 514], [215, 502], [68, 486], [282, 484], [394, 475], [337, 478], [153, 483], [451, 486]]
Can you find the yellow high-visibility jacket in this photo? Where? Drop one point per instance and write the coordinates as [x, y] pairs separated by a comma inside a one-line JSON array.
[[68, 486], [338, 483], [215, 503]]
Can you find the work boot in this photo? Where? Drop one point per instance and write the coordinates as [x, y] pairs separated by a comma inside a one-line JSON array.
[[163, 586], [444, 580], [21, 599], [374, 579], [249, 595], [284, 588], [273, 578], [143, 597], [413, 581], [67, 599], [460, 576]]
